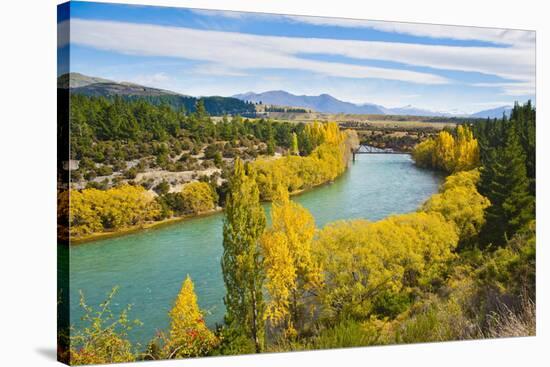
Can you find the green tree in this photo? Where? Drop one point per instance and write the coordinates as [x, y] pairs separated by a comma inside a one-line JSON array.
[[504, 182], [243, 275], [294, 148]]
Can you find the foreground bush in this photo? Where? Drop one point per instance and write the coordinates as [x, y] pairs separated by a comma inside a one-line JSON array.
[[104, 338]]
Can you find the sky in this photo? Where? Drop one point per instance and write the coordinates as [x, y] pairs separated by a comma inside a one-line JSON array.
[[204, 52]]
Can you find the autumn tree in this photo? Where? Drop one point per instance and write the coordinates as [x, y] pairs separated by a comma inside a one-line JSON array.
[[198, 197], [459, 202], [294, 150], [93, 210], [466, 150], [189, 336], [448, 152], [364, 263], [243, 273], [291, 271]]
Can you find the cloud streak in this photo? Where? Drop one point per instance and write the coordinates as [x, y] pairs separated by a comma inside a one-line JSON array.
[[235, 53], [510, 37]]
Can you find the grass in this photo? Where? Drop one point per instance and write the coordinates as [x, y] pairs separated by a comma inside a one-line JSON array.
[[506, 323]]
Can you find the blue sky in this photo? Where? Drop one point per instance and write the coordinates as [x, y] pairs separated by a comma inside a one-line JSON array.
[[199, 52]]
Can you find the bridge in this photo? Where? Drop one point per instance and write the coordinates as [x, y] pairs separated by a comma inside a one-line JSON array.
[[367, 149]]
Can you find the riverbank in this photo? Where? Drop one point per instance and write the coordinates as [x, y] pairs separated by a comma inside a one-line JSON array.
[[142, 227], [341, 152], [171, 221]]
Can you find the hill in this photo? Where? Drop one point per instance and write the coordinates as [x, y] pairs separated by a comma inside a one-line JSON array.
[[99, 87], [494, 112], [321, 103]]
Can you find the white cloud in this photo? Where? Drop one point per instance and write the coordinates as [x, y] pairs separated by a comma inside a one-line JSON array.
[[237, 52], [512, 89], [512, 37], [155, 79], [221, 13], [234, 51], [218, 69]]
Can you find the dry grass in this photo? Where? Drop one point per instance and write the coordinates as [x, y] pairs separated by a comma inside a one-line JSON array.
[[506, 323]]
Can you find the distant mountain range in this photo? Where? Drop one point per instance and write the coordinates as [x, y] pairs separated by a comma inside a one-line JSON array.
[[321, 103], [243, 103], [493, 112], [328, 104]]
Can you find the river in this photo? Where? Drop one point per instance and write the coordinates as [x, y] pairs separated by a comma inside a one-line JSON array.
[[150, 266]]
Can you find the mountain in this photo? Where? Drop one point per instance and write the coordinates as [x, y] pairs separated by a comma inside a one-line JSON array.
[[99, 87], [241, 103], [493, 112], [410, 110], [92, 86], [321, 103], [328, 104], [76, 80]]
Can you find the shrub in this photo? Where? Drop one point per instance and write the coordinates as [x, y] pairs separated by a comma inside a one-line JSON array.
[[198, 197], [104, 340]]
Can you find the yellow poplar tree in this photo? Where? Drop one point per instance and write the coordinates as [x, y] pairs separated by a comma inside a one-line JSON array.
[[444, 152], [189, 335], [291, 271], [294, 147], [467, 150]]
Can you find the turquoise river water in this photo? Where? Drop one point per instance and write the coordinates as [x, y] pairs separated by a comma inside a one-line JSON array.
[[149, 266]]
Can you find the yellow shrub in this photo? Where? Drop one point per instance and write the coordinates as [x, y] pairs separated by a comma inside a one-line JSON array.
[[95, 210], [198, 197], [362, 260], [460, 202]]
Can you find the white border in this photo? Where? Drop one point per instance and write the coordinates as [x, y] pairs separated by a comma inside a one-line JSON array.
[[28, 204]]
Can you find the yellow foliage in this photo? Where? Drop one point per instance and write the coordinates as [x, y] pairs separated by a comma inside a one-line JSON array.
[[198, 197], [447, 153], [362, 260], [291, 271], [460, 202], [189, 335], [93, 210], [326, 162], [444, 152]]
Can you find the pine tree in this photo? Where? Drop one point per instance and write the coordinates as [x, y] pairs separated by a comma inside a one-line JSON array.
[[243, 275], [519, 204], [504, 182]]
